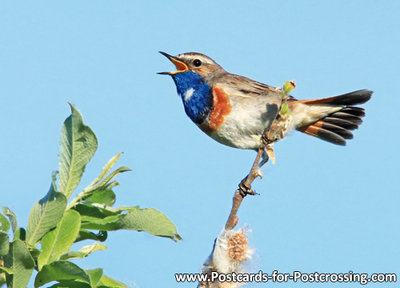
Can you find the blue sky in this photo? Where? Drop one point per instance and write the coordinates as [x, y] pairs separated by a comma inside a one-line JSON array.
[[322, 208]]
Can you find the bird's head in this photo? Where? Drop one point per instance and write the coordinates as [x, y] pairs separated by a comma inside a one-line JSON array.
[[191, 80], [194, 62]]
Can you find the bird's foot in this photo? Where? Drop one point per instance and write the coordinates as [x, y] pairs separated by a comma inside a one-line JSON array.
[[245, 189], [266, 138], [258, 173]]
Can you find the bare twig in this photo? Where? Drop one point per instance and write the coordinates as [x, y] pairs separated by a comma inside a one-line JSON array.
[[244, 189], [230, 248]]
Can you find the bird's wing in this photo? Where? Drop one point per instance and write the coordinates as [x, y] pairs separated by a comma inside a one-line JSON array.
[[241, 86]]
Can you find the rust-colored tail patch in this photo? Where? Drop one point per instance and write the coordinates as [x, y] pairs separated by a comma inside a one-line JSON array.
[[318, 131], [336, 127]]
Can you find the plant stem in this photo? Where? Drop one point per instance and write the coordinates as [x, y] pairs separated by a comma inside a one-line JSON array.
[[244, 190]]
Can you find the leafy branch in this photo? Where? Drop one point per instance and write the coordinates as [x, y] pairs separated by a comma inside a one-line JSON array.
[[57, 225]]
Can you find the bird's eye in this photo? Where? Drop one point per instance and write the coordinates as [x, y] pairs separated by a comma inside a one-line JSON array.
[[196, 63]]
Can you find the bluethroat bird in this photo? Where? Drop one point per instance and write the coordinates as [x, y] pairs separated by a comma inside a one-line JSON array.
[[235, 110]]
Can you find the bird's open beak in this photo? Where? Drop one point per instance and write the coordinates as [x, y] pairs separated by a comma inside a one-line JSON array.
[[180, 66]]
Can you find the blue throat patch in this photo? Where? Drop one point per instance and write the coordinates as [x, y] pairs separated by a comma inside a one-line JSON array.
[[196, 95]]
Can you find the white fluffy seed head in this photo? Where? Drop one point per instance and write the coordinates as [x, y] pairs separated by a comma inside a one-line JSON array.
[[231, 250]]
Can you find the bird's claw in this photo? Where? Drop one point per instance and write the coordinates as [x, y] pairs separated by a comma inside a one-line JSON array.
[[265, 138], [245, 189]]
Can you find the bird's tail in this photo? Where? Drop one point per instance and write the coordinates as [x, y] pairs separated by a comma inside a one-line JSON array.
[[331, 119]]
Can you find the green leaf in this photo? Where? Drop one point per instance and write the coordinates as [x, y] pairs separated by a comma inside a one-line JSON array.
[[58, 241], [85, 235], [20, 234], [107, 168], [110, 185], [4, 224], [108, 223], [94, 275], [106, 281], [71, 284], [284, 109], [7, 270], [149, 220], [45, 215], [21, 262], [35, 252], [72, 255], [60, 271], [104, 185], [78, 145], [106, 197], [11, 216], [89, 249], [289, 86], [113, 175], [95, 210], [84, 251], [4, 244]]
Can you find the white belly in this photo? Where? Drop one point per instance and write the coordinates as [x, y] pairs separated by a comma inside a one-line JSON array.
[[243, 127]]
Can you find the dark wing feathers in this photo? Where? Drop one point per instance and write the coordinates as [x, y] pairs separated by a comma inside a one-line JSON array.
[[348, 99]]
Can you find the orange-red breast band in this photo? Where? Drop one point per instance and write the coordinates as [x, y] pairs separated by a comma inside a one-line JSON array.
[[222, 107]]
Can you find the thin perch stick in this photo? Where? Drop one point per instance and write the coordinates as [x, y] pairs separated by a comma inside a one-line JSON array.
[[244, 189]]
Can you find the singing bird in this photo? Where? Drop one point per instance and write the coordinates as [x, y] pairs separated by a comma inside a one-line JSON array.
[[235, 110]]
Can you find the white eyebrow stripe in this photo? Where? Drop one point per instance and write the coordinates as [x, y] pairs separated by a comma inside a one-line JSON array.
[[190, 58]]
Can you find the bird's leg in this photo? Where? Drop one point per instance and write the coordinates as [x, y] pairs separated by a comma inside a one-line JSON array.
[[245, 184], [265, 152], [264, 160]]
